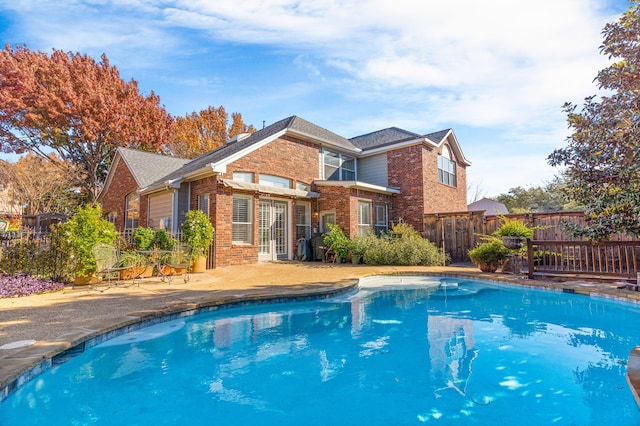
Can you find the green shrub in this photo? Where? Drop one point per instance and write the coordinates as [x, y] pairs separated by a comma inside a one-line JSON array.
[[402, 246], [513, 228], [490, 252], [336, 240], [85, 229], [197, 231], [143, 238]]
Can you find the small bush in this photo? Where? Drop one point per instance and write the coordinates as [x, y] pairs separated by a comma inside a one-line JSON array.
[[403, 246], [514, 228], [25, 285]]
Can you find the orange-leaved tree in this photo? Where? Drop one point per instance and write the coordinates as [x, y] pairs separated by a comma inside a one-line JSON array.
[[70, 104], [201, 132]]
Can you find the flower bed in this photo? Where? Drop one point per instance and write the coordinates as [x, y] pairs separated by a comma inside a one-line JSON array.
[[24, 285]]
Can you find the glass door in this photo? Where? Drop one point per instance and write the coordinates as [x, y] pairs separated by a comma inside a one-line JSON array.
[[272, 230]]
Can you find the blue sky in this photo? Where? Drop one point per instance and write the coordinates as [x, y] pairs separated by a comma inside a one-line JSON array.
[[496, 71]]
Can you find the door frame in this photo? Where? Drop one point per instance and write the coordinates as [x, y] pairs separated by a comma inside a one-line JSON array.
[[273, 255]]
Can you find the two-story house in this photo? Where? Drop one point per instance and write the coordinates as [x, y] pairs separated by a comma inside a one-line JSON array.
[[263, 191]]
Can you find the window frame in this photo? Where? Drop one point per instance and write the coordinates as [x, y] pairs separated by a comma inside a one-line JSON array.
[[131, 211], [242, 226], [338, 164], [364, 212], [382, 218], [447, 168], [307, 220], [203, 203]]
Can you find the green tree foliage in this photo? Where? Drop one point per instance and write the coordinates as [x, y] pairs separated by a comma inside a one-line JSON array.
[[602, 157], [538, 199]]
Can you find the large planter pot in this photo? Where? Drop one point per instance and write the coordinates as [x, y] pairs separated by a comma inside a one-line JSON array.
[[488, 267], [513, 243], [199, 264], [355, 259], [136, 272], [81, 280]]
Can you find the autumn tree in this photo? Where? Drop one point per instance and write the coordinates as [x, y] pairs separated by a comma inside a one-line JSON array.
[[602, 158], [204, 131], [80, 109], [39, 185]]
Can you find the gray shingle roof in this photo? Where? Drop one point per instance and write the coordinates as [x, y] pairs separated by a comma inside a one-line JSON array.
[[148, 167], [293, 123], [383, 137], [393, 135]]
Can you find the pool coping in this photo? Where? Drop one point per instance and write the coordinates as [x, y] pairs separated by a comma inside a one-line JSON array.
[[26, 364]]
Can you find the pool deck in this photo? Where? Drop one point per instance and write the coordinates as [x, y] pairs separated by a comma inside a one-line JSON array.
[[65, 320]]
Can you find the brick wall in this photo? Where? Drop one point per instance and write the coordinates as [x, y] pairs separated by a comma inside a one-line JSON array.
[[286, 157], [113, 200], [405, 168], [441, 198]]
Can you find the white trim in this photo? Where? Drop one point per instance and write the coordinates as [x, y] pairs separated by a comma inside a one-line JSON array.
[[357, 185], [265, 189]]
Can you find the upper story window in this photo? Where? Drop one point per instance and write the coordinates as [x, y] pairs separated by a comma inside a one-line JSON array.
[[132, 211], [275, 181], [337, 166], [243, 177], [446, 168]]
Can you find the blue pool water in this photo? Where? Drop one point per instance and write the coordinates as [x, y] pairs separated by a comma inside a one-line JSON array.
[[401, 351]]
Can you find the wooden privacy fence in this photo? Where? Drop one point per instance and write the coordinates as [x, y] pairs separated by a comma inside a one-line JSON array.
[[608, 259], [459, 232]]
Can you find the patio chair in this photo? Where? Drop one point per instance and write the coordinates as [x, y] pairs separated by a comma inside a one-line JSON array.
[[108, 264], [178, 261]]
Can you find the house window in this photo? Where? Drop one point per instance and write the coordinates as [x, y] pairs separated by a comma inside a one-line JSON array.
[[242, 221], [275, 181], [382, 219], [132, 211], [112, 217], [364, 217], [303, 219], [327, 217], [301, 186], [338, 166], [203, 203], [446, 168], [243, 177]]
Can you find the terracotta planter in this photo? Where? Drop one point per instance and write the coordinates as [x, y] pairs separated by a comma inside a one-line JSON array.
[[136, 272], [83, 280], [488, 267], [513, 243], [199, 265]]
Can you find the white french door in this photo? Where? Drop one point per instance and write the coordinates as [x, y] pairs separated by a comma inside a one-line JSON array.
[[272, 230]]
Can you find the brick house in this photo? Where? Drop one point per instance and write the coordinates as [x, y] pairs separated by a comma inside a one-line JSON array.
[[264, 191]]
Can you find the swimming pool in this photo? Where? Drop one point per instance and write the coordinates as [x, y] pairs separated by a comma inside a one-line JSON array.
[[400, 351]]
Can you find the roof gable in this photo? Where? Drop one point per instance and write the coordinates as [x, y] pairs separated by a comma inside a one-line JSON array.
[[147, 167]]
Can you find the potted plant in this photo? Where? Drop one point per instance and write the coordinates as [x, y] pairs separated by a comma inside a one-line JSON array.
[[513, 232], [358, 246], [489, 254], [197, 232], [163, 241], [336, 241], [82, 232], [136, 263]]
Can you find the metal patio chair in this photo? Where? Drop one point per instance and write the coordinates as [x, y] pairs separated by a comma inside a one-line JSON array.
[[108, 263]]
